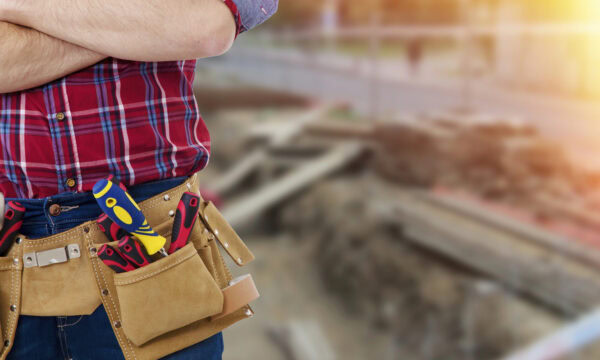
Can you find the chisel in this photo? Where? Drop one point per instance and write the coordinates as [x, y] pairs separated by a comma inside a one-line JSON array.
[[114, 260], [123, 210], [13, 219], [134, 252], [185, 217]]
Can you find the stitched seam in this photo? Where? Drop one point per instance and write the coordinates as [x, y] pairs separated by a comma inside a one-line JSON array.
[[53, 239], [213, 265], [127, 344], [217, 272], [72, 324], [227, 271], [14, 290], [164, 268], [66, 352]]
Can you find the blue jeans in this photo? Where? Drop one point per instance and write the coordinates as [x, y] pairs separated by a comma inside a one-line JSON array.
[[87, 337]]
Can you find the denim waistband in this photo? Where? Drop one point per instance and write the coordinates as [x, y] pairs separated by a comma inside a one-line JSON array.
[[77, 208]]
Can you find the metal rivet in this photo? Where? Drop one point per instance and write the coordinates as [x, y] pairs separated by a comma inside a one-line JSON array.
[[6, 343], [189, 186], [93, 250], [171, 213], [15, 261], [217, 232], [86, 229], [249, 312], [117, 324], [239, 260], [13, 308], [167, 197], [18, 240], [226, 245], [29, 259], [105, 292]]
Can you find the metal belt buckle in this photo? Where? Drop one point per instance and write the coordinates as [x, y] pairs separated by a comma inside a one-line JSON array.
[[52, 256]]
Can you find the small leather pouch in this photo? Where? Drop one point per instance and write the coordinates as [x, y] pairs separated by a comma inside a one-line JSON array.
[[166, 295]]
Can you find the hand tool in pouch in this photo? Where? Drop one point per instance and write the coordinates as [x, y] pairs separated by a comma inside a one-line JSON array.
[[134, 252], [185, 217], [112, 231], [13, 219], [123, 210], [114, 260]]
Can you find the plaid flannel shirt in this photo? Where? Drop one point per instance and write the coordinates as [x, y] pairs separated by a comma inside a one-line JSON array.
[[136, 120]]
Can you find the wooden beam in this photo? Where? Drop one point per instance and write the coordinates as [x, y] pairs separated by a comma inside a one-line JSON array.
[[247, 164], [274, 192]]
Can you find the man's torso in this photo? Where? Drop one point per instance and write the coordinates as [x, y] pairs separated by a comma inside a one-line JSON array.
[[138, 121]]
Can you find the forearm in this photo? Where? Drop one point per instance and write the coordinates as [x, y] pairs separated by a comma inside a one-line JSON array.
[[144, 30], [29, 58]]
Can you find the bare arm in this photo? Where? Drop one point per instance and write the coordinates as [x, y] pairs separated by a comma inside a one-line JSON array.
[[143, 30], [29, 58]]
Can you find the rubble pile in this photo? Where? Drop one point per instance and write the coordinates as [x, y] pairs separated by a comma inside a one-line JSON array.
[[376, 272], [493, 159]]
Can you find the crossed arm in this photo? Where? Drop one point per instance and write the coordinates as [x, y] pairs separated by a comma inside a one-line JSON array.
[[43, 40]]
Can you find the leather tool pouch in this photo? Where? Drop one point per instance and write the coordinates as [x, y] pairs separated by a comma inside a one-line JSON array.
[[166, 295], [170, 304]]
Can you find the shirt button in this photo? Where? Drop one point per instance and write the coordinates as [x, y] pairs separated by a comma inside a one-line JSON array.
[[70, 183], [54, 209], [60, 116]]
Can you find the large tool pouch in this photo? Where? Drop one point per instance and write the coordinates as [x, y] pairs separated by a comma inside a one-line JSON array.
[[156, 310]]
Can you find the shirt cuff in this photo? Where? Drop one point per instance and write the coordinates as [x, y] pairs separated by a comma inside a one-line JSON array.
[[236, 15]]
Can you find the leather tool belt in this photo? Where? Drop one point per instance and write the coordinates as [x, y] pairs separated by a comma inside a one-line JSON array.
[[61, 275]]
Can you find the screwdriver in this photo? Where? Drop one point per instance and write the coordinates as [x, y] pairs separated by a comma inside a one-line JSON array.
[[185, 217], [114, 259], [134, 252], [112, 231], [13, 219], [123, 210]]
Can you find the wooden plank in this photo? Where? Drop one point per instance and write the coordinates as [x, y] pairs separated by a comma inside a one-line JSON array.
[[528, 232], [565, 341], [272, 193], [246, 165], [557, 280]]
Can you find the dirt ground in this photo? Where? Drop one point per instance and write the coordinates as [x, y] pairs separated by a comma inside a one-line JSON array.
[[293, 299]]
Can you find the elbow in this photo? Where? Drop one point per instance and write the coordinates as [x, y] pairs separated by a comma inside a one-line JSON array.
[[213, 41]]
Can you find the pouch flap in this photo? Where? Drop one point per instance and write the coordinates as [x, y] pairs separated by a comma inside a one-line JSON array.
[[229, 239]]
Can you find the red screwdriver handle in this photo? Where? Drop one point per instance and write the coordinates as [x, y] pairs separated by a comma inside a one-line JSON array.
[[114, 259], [134, 251], [112, 231], [13, 219], [185, 217]]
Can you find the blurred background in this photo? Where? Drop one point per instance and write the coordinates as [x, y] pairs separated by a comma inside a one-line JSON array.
[[418, 179]]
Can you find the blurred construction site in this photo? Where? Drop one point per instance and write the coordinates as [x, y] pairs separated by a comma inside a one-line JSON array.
[[418, 179]]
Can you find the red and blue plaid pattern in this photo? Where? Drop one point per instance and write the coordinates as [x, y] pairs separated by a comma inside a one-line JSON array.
[[138, 121]]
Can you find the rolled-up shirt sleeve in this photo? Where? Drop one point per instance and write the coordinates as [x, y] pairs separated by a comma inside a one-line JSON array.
[[249, 14]]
